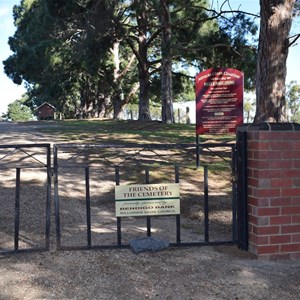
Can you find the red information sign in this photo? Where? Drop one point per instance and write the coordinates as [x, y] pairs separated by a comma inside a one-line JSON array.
[[219, 101]]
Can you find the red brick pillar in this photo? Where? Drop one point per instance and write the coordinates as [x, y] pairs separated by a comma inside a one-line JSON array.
[[274, 190]]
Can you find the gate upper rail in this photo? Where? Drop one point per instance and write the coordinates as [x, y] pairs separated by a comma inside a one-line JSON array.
[[195, 151]]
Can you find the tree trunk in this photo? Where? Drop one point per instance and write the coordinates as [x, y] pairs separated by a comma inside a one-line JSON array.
[[144, 76], [166, 73], [118, 97], [275, 25], [144, 109], [118, 92]]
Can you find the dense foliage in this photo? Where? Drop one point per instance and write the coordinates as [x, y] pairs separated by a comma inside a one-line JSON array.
[[89, 58], [17, 111]]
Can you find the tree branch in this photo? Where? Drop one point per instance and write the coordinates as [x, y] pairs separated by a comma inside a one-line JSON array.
[[164, 6], [132, 92], [207, 47], [217, 14], [128, 66], [294, 39], [153, 36], [134, 50]]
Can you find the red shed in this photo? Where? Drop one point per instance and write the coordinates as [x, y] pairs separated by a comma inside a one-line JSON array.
[[46, 111]]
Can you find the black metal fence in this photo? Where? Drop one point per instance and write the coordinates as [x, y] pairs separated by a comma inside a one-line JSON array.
[[96, 169], [25, 198], [84, 178]]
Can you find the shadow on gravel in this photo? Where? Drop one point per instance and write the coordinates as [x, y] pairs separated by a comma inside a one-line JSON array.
[[222, 272]]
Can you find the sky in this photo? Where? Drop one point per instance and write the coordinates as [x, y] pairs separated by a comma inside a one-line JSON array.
[[11, 92]]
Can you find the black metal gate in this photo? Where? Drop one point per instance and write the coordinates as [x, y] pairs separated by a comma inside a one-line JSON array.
[[25, 198], [85, 177], [84, 180]]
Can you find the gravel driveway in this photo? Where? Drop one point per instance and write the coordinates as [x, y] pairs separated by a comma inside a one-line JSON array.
[[194, 273], [220, 272]]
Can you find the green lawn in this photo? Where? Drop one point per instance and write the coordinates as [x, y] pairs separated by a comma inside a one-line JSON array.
[[113, 131], [153, 132]]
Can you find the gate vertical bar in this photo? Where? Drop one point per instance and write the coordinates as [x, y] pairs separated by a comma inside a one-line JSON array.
[[17, 209], [48, 204], [242, 203], [178, 233], [88, 206], [147, 181], [234, 193], [56, 198], [206, 208], [119, 230], [197, 152]]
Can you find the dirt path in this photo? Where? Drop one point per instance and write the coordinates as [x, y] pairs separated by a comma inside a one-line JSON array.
[[24, 133], [194, 273], [222, 272]]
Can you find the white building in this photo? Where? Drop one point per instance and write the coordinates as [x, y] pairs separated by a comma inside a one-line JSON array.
[[185, 112]]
